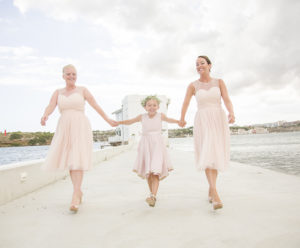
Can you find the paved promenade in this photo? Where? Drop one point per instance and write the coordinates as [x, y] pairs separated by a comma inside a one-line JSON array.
[[261, 210]]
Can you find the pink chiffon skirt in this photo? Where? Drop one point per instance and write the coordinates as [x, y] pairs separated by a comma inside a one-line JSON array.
[[152, 157], [72, 144], [211, 139]]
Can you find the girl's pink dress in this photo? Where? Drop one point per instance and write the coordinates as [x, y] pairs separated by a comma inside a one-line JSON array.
[[72, 144], [211, 131], [152, 153]]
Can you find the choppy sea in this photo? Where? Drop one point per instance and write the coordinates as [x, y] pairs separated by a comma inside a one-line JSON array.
[[276, 151]]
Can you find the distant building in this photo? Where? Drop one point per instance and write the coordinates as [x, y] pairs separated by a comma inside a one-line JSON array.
[[242, 131], [259, 130], [271, 124], [131, 107], [280, 123]]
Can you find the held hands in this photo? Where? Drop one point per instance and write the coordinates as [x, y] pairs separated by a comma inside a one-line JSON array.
[[113, 123], [43, 120], [231, 118], [181, 123]]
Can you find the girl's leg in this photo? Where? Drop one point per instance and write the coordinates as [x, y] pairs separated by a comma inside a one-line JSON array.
[[76, 177], [155, 184], [149, 179]]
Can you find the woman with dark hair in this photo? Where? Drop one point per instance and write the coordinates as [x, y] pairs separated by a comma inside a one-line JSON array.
[[211, 131]]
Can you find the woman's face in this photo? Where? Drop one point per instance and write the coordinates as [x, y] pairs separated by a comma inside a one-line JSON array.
[[70, 76], [202, 66]]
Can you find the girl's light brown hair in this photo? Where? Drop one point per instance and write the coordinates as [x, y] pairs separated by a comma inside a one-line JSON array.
[[148, 98]]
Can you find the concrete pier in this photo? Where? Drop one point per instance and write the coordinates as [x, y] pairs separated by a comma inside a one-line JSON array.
[[261, 210], [24, 177]]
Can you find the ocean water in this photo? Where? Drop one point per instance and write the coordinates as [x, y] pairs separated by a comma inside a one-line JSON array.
[[276, 151], [9, 155]]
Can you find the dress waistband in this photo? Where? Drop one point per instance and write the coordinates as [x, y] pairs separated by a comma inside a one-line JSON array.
[[207, 105], [71, 110], [151, 133]]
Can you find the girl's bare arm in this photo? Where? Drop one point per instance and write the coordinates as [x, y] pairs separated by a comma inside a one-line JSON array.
[[130, 121], [169, 120]]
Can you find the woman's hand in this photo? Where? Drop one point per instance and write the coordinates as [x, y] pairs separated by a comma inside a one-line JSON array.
[[182, 123], [231, 118], [43, 120], [113, 123]]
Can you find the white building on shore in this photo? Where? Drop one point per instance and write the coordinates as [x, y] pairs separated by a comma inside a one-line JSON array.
[[131, 107]]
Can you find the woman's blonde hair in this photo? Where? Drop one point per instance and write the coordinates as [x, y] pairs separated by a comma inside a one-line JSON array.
[[148, 98], [68, 66]]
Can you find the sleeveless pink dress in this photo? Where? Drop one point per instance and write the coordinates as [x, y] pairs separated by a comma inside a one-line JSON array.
[[211, 131], [152, 153], [72, 144]]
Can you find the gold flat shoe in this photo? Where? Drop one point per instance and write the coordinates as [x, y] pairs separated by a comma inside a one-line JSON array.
[[148, 200], [152, 201]]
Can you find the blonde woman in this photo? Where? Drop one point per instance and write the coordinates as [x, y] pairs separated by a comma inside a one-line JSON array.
[[72, 145]]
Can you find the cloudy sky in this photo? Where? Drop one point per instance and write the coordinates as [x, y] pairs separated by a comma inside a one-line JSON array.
[[148, 47]]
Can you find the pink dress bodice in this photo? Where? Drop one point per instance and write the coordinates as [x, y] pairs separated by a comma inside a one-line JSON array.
[[151, 125], [207, 94]]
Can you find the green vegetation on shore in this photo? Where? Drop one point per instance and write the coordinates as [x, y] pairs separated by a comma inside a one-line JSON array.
[[25, 139], [187, 132], [42, 138]]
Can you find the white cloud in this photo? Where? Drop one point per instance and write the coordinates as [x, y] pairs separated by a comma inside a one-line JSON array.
[[151, 47], [23, 66], [162, 37]]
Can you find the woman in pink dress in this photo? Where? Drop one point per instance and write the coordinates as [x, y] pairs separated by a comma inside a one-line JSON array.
[[72, 144], [211, 131], [153, 160]]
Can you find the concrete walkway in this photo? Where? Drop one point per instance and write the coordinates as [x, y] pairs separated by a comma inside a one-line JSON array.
[[261, 209]]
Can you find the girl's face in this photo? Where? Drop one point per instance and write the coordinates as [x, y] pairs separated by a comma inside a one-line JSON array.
[[151, 107], [70, 76], [202, 66]]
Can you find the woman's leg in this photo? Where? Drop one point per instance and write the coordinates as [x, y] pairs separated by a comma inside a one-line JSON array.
[[215, 196], [209, 180], [211, 175], [76, 177]]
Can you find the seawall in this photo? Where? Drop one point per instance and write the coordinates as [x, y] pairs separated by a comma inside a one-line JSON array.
[[22, 178]]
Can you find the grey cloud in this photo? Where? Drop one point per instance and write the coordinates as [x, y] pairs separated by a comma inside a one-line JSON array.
[[252, 42]]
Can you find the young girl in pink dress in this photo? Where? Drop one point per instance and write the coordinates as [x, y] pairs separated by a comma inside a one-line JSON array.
[[153, 160]]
